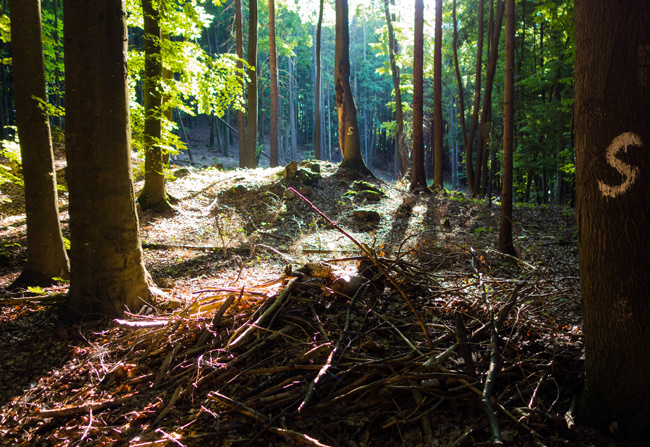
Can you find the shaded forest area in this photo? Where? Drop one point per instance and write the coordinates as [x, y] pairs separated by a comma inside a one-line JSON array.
[[337, 223]]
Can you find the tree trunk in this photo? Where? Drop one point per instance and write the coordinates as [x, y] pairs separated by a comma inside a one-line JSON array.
[[402, 154], [505, 228], [317, 109], [153, 194], [487, 101], [46, 255], [273, 130], [437, 101], [612, 91], [349, 142], [250, 159], [107, 272], [419, 180], [241, 117]]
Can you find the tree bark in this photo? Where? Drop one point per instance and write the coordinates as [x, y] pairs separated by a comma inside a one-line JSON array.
[[505, 229], [153, 194], [347, 112], [241, 117], [438, 170], [317, 109], [612, 94], [273, 63], [107, 272], [250, 159], [419, 179], [46, 255], [487, 100], [402, 154]]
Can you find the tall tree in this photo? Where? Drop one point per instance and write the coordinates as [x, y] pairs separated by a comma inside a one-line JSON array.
[[486, 111], [402, 154], [612, 91], [46, 255], [153, 194], [317, 108], [241, 117], [250, 159], [505, 229], [437, 100], [107, 272], [418, 180], [468, 140], [273, 63], [347, 112]]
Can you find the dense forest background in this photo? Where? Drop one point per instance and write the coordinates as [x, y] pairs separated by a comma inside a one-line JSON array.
[[201, 49]]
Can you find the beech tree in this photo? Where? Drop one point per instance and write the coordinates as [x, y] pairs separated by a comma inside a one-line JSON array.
[[505, 228], [402, 154], [107, 271], [612, 94], [437, 101], [419, 180], [250, 160], [153, 194], [273, 66], [347, 112], [46, 255]]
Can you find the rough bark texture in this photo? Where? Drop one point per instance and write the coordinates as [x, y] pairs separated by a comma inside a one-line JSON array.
[[402, 154], [273, 62], [153, 194], [419, 180], [347, 112], [46, 256], [505, 228], [107, 273], [612, 76], [438, 170]]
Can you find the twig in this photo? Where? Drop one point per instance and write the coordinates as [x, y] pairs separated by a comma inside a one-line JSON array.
[[80, 409], [328, 363], [374, 260], [238, 337], [493, 370], [247, 411]]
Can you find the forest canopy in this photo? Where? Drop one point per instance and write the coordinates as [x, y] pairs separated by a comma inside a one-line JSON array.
[[198, 48]]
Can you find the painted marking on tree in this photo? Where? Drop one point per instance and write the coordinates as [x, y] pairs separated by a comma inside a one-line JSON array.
[[629, 173], [351, 130]]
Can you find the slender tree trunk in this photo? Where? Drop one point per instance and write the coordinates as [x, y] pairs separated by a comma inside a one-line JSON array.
[[402, 154], [505, 228], [107, 271], [438, 172], [487, 101], [292, 112], [273, 131], [468, 140], [46, 255], [612, 106], [419, 179], [317, 108], [241, 117], [250, 159], [153, 194]]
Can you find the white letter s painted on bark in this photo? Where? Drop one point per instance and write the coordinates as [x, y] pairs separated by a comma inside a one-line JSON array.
[[629, 173]]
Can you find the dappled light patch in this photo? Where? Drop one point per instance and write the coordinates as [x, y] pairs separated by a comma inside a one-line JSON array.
[[279, 329]]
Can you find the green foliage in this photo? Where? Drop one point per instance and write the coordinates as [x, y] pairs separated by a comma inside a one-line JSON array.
[[10, 161]]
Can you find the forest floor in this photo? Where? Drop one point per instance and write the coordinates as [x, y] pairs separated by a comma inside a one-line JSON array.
[[386, 328]]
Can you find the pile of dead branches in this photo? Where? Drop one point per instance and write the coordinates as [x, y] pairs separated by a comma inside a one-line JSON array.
[[359, 351]]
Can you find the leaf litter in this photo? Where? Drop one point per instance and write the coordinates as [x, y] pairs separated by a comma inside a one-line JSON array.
[[282, 327]]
